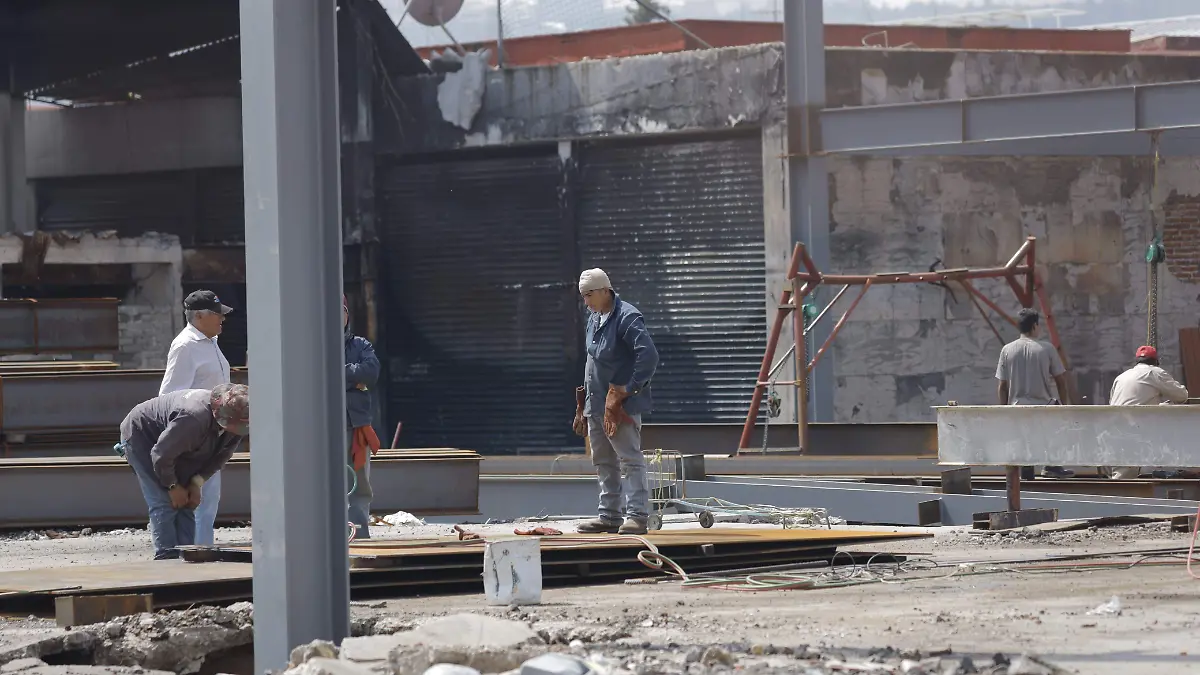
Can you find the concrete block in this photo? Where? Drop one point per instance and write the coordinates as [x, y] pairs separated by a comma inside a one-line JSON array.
[[85, 610], [326, 666], [450, 669], [554, 664], [470, 630]]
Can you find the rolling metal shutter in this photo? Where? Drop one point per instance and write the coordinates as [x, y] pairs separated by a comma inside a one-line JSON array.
[[679, 229], [220, 209], [481, 327]]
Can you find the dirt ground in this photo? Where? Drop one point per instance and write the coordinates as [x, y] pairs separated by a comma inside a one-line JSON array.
[[961, 609]]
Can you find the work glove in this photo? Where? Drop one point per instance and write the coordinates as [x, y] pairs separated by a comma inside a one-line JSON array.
[[580, 424], [179, 496], [614, 410], [194, 497]]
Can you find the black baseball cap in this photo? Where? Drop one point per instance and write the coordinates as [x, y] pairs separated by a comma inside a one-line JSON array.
[[205, 300]]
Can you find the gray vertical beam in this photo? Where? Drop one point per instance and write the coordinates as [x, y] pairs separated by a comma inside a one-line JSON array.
[[15, 194], [293, 278], [808, 178]]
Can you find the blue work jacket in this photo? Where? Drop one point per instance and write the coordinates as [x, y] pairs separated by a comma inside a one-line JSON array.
[[619, 352], [362, 372]]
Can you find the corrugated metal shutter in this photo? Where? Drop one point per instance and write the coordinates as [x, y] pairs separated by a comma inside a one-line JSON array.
[[679, 229], [221, 211], [130, 204], [480, 320]]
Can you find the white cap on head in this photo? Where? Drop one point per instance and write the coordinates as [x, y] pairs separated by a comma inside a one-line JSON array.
[[594, 279]]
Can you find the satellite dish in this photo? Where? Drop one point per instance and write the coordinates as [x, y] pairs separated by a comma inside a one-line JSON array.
[[433, 12]]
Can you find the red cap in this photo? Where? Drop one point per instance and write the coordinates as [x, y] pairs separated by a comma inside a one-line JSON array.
[[1147, 352]]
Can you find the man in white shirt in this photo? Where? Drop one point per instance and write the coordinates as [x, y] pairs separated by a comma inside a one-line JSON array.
[[196, 362], [1144, 384]]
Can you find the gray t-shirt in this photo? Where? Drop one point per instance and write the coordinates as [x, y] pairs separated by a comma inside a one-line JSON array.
[[1029, 367]]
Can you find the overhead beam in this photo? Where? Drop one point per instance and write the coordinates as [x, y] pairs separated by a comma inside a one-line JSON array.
[[1086, 112]]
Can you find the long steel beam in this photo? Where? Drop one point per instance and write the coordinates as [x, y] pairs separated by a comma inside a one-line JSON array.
[[898, 505], [104, 490], [825, 438], [1109, 110], [59, 326], [66, 402], [1078, 435]]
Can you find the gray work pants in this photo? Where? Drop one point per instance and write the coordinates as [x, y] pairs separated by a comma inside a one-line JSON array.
[[621, 470], [359, 500]]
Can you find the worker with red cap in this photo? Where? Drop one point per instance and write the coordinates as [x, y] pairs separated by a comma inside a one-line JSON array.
[[362, 371], [1146, 383]]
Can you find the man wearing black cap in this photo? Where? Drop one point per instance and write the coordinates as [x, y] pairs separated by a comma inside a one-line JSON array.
[[196, 362]]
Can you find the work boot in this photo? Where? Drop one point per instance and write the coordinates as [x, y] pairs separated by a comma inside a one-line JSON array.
[[598, 526], [1056, 472], [633, 526]]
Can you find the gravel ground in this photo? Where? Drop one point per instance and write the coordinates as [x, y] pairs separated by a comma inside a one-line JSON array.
[[939, 614]]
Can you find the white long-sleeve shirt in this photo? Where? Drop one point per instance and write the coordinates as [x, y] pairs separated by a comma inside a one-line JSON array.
[[1145, 384], [194, 362]]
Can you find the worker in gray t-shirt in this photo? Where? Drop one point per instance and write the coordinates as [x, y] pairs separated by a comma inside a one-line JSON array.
[[1030, 372]]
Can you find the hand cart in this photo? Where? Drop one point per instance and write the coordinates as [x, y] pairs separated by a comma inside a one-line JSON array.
[[664, 469]]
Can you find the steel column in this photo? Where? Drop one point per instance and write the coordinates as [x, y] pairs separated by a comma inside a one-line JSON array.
[[294, 278], [808, 179]]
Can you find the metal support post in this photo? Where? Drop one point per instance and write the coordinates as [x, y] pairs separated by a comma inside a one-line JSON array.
[[798, 295], [294, 278], [808, 199]]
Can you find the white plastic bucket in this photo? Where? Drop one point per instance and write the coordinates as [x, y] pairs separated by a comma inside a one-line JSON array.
[[512, 572]]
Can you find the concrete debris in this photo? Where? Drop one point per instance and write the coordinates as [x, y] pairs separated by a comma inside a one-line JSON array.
[[90, 670], [451, 669], [177, 641], [555, 664], [43, 645], [390, 625], [326, 666], [1028, 665], [21, 664], [315, 649]]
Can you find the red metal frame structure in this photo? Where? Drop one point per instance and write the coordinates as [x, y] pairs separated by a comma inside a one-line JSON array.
[[1020, 273]]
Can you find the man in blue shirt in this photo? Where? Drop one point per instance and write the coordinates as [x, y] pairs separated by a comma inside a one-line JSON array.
[[621, 360]]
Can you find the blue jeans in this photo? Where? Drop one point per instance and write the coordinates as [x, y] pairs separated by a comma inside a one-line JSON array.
[[169, 527], [621, 470], [206, 513], [359, 502]]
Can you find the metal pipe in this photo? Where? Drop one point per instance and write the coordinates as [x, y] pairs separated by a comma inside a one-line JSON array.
[[792, 349], [975, 293], [1012, 262], [983, 313], [838, 326], [801, 348], [915, 277]]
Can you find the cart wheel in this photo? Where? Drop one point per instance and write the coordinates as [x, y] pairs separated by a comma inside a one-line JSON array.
[[655, 522], [706, 519]]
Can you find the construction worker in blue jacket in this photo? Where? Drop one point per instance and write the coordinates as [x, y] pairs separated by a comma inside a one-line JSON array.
[[362, 372], [621, 360]]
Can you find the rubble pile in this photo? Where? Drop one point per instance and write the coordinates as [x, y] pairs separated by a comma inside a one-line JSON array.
[[476, 644], [175, 641]]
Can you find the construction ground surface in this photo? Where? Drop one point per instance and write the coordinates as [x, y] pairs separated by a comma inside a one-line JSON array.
[[938, 613]]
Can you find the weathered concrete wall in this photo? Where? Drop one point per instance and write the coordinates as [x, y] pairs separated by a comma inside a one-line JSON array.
[[149, 314], [136, 137], [911, 346]]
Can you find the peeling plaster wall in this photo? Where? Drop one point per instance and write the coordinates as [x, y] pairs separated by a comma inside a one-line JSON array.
[[149, 315], [911, 346]]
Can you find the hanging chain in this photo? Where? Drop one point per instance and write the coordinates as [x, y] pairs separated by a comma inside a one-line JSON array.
[[1155, 253]]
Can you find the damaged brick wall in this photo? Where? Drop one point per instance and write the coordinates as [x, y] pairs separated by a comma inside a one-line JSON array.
[[911, 346], [1181, 236]]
